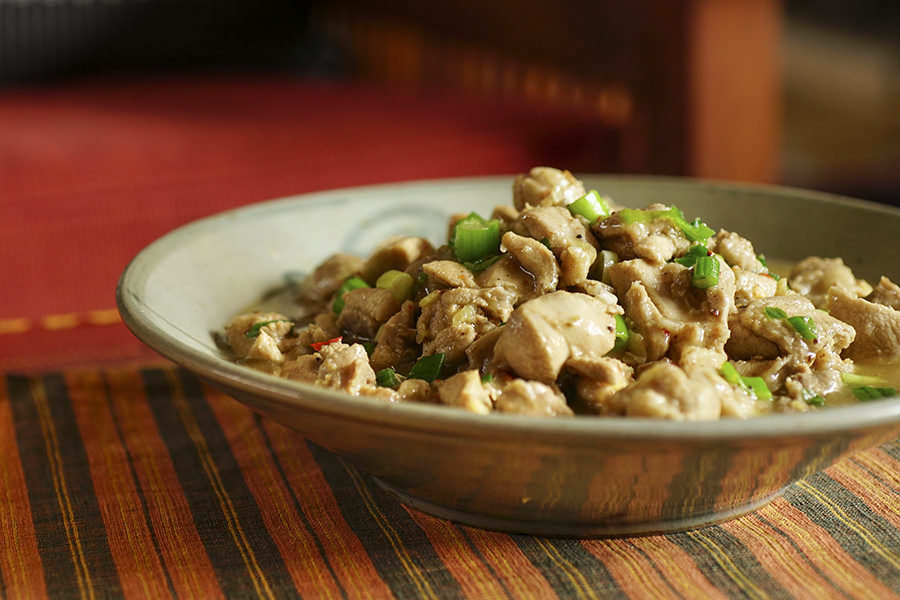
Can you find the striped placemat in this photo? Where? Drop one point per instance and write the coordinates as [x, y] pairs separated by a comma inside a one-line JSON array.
[[144, 483]]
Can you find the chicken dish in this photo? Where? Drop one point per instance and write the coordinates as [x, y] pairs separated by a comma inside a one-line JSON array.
[[565, 302]]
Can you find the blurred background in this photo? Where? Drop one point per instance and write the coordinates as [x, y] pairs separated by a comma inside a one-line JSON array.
[[122, 119]]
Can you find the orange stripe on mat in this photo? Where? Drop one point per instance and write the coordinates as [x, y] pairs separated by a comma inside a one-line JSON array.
[[824, 551], [20, 562], [882, 500], [346, 554], [522, 578], [130, 540], [473, 575], [179, 542], [306, 566]]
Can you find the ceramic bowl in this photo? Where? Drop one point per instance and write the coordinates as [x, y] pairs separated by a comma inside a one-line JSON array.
[[581, 476]]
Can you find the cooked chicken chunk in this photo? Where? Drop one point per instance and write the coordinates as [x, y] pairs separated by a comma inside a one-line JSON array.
[[465, 390], [813, 276], [877, 326], [546, 186]]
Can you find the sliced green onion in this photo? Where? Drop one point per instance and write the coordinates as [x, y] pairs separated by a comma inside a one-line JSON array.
[[592, 206], [369, 347], [857, 379], [690, 257], [487, 378], [868, 392], [256, 329], [351, 283], [474, 238], [805, 326], [762, 260], [731, 375], [477, 266], [758, 387], [400, 284], [812, 398], [605, 259], [706, 272], [428, 367], [773, 312], [622, 335], [697, 231], [387, 377]]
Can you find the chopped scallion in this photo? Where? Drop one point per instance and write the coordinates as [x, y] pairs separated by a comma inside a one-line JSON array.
[[706, 272], [428, 367], [622, 335], [869, 392], [857, 379], [773, 312], [477, 266], [592, 206], [487, 378], [400, 284], [474, 238], [256, 329], [690, 257], [812, 398], [731, 375], [762, 260], [805, 326], [758, 387], [387, 377], [695, 231], [351, 283], [755, 386]]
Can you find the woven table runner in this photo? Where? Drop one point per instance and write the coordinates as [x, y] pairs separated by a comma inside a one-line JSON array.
[[145, 483]]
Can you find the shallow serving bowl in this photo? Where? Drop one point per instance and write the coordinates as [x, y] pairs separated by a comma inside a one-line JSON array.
[[581, 476]]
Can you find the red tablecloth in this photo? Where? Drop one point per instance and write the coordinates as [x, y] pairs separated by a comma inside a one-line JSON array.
[[92, 171]]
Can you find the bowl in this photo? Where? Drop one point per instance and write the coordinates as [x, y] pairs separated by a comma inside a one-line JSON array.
[[581, 476]]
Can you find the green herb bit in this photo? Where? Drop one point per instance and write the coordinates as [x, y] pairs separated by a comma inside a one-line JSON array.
[[256, 329], [477, 266], [400, 284], [697, 231], [487, 378], [706, 272], [351, 283], [428, 367], [773, 312], [474, 238], [758, 387], [731, 375], [755, 386], [694, 252], [762, 260], [369, 347], [869, 392], [812, 398], [592, 206], [622, 335], [387, 377], [805, 326], [857, 379]]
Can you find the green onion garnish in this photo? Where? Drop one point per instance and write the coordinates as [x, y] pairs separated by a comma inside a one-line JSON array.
[[474, 238], [487, 378], [755, 386], [622, 335], [400, 284], [731, 375], [773, 312], [758, 387], [690, 257], [697, 231], [857, 379], [805, 326], [256, 329], [351, 283], [387, 377], [592, 206], [762, 260], [812, 398], [706, 272], [428, 367], [369, 347], [477, 266], [868, 392]]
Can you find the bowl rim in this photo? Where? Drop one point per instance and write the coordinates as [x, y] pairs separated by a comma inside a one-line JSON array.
[[575, 431]]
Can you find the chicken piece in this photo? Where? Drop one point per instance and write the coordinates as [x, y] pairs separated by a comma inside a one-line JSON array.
[[574, 246], [813, 276], [546, 186], [452, 319], [668, 311], [480, 353], [345, 368], [506, 214], [663, 390], [324, 281], [656, 241], [886, 293], [750, 286], [508, 274], [531, 398], [465, 390], [737, 251], [448, 273], [395, 342], [535, 258], [365, 309], [704, 364], [555, 330], [259, 336], [415, 390], [595, 393], [398, 253], [877, 326]]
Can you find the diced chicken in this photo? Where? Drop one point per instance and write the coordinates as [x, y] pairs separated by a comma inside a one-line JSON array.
[[555, 330], [398, 254], [655, 241], [415, 390], [595, 394], [259, 336], [877, 326], [887, 293], [508, 274], [750, 286], [663, 390], [531, 398], [448, 273], [365, 309], [737, 251], [395, 342], [574, 246], [535, 258], [506, 214], [480, 353], [324, 281], [345, 368], [703, 364], [546, 186], [453, 319], [668, 311], [813, 276], [465, 390]]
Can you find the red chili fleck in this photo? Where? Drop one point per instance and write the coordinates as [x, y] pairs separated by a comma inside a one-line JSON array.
[[318, 345]]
